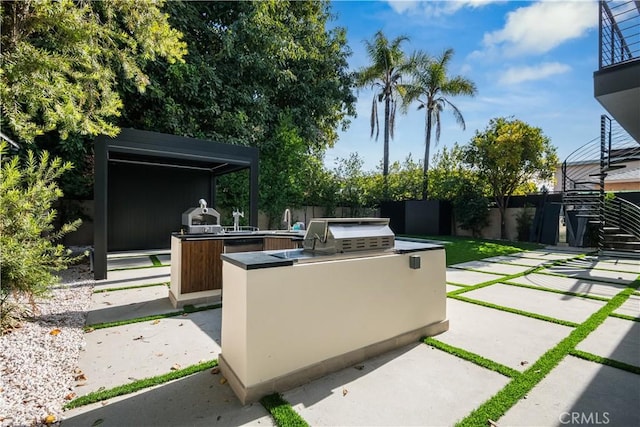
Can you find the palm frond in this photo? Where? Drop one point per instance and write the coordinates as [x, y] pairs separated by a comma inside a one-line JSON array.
[[374, 116], [457, 114]]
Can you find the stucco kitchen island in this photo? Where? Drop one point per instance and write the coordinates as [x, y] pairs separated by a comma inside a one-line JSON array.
[[289, 317]]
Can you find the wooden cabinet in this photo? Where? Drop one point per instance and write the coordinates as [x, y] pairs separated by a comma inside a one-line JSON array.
[[201, 265], [275, 243]]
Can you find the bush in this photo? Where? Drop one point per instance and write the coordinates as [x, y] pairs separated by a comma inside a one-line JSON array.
[[471, 207], [30, 249]]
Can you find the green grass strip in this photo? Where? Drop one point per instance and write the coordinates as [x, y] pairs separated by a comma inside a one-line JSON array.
[[501, 402], [97, 396], [187, 309], [625, 317], [282, 412], [155, 261], [557, 291], [126, 288], [605, 361], [515, 311], [472, 357]]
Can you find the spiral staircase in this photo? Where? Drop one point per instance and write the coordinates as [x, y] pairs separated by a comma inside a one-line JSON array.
[[594, 217]]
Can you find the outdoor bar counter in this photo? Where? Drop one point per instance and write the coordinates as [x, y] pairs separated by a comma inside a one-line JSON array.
[[291, 316], [196, 267]]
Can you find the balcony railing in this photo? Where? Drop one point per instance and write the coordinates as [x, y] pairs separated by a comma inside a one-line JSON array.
[[619, 32]]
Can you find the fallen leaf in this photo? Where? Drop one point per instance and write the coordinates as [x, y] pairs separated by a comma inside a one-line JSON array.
[[219, 416], [105, 403], [80, 377], [80, 384], [133, 379], [185, 314], [344, 392], [175, 367], [102, 388], [492, 423], [181, 324], [159, 354], [86, 331], [77, 371], [138, 338], [54, 333], [524, 362], [215, 371], [223, 380], [49, 419], [70, 396], [359, 367], [106, 303], [155, 322], [97, 422]]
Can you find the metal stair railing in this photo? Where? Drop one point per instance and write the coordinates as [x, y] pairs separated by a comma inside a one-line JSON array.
[[619, 26], [624, 215]]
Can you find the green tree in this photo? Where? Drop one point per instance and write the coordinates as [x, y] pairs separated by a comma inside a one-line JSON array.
[[30, 252], [508, 154], [61, 61], [350, 176], [431, 86], [389, 65]]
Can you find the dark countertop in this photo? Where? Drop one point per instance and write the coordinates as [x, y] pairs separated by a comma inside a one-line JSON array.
[[293, 235], [268, 259]]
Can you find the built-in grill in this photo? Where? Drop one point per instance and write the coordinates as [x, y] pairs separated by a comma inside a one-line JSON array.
[[340, 235], [201, 220]]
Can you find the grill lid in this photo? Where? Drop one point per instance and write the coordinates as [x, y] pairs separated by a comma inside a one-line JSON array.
[[339, 235]]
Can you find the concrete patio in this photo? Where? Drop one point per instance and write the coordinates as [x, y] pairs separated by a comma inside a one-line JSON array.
[[415, 385]]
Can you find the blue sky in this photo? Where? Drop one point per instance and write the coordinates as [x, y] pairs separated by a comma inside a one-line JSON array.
[[530, 60]]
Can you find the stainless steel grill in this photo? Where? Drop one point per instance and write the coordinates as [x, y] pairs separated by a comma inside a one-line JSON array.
[[201, 219], [340, 235]]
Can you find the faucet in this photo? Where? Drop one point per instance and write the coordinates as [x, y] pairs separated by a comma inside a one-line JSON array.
[[236, 219], [287, 218]]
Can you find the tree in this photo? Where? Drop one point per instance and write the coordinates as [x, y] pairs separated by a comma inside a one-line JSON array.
[[508, 154], [430, 87], [388, 66], [28, 239], [61, 61]]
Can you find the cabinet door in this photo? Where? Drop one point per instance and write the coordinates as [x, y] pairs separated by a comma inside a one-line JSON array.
[[274, 243], [201, 265]]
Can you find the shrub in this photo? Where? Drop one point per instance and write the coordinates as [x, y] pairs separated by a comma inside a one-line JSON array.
[[29, 243], [471, 207], [524, 220]]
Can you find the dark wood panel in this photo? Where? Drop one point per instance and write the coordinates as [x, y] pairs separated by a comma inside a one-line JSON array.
[[274, 243], [201, 265]]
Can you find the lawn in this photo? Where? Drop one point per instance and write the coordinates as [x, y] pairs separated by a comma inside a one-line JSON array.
[[463, 249]]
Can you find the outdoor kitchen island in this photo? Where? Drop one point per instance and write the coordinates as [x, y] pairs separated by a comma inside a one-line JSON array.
[[291, 316]]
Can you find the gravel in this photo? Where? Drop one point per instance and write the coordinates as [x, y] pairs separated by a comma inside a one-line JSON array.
[[38, 361]]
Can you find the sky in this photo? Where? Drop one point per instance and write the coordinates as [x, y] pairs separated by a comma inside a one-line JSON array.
[[533, 61]]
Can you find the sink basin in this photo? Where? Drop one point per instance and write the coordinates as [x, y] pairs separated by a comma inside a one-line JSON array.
[[240, 232], [296, 232]]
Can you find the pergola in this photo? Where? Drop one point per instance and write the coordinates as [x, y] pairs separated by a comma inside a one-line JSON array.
[[145, 180]]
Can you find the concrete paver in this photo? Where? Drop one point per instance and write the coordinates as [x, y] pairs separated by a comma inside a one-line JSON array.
[[503, 337], [127, 278], [128, 304], [579, 392], [492, 267], [616, 260], [546, 255], [592, 274], [129, 262], [631, 307], [119, 355], [531, 262], [568, 284], [601, 265], [617, 339], [558, 306], [165, 259], [467, 277], [453, 287], [197, 400], [412, 377]]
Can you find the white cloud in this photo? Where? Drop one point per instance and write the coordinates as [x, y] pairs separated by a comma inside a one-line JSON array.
[[542, 26], [516, 75], [436, 8]]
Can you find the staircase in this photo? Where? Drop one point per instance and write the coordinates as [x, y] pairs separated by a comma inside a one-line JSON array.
[[595, 219]]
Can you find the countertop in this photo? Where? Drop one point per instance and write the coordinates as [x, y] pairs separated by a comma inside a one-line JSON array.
[[235, 235], [280, 258]]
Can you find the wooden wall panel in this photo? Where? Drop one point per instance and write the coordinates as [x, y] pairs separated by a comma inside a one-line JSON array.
[[275, 243]]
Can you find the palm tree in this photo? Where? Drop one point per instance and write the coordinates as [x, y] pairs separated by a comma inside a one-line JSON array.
[[430, 88], [388, 65]]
